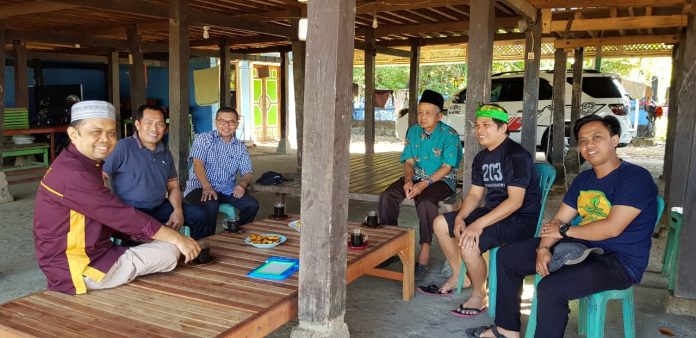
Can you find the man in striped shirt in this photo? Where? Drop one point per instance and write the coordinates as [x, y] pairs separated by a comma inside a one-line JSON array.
[[217, 158]]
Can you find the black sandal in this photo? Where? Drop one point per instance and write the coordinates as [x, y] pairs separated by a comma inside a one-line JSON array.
[[476, 332], [433, 290]]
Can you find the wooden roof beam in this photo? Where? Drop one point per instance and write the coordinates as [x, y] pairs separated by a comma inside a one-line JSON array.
[[602, 3], [71, 39], [616, 41], [31, 7], [425, 28], [384, 50], [125, 6], [619, 23], [523, 8], [203, 17], [196, 16], [371, 6]]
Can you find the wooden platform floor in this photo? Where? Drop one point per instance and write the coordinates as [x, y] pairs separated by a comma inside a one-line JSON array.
[[200, 301]]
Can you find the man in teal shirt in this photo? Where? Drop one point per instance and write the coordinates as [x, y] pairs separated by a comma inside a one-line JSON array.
[[431, 155]]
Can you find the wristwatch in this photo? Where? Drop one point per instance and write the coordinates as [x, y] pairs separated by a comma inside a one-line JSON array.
[[429, 181], [563, 229]]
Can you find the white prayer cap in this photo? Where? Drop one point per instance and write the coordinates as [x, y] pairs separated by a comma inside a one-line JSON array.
[[92, 110]]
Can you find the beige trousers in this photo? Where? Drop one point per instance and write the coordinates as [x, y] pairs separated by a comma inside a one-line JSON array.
[[156, 256]]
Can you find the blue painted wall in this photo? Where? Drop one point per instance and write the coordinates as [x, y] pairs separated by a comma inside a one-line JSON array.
[[158, 88], [94, 86]]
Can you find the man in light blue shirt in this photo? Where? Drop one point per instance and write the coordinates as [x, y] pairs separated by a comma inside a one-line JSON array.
[[431, 156], [217, 158]]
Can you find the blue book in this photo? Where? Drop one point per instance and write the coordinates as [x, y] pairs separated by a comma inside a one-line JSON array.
[[276, 268]]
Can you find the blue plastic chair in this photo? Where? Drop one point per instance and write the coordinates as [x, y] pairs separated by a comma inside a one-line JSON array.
[[546, 174], [592, 309], [228, 210]]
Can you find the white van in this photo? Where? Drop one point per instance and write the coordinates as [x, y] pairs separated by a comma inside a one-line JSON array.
[[602, 94]]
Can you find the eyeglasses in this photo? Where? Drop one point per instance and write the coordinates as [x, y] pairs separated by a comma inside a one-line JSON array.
[[227, 122]]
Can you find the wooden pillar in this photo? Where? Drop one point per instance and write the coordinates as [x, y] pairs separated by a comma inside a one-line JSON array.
[[369, 118], [673, 117], [558, 120], [413, 83], [530, 98], [598, 59], [479, 58], [20, 74], [5, 195], [225, 74], [283, 144], [2, 84], [179, 127], [137, 69], [113, 86], [298, 73], [572, 159], [37, 66], [328, 96], [686, 275]]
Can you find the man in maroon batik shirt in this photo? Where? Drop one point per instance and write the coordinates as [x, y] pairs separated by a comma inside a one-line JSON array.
[[76, 214]]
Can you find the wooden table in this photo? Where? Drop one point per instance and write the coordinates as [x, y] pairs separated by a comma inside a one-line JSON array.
[[52, 130], [213, 300]]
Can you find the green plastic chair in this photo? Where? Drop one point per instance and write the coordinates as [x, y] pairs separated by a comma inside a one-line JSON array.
[[228, 210], [669, 261], [592, 309], [546, 174]]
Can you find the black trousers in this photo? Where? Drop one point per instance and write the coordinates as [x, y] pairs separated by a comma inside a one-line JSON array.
[[426, 206], [517, 260]]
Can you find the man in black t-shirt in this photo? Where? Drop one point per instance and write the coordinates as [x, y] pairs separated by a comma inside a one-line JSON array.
[[503, 174]]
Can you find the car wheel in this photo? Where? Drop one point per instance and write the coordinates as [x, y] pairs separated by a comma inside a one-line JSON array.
[[547, 147]]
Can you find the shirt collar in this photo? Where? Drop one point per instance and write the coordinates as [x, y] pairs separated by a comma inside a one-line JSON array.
[[159, 147], [88, 162], [234, 140]]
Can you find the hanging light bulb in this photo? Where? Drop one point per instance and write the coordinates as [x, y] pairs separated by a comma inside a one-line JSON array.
[[302, 29], [375, 24], [206, 34]]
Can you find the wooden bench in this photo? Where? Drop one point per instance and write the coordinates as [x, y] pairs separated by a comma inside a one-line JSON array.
[[370, 175], [14, 150], [212, 300]]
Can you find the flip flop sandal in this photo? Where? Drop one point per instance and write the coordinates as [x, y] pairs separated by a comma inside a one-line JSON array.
[[433, 290], [476, 332], [459, 312]]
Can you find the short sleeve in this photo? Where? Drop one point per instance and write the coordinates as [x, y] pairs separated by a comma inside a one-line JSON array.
[[476, 173], [518, 170], [409, 151], [638, 189], [200, 146], [245, 165], [571, 196], [172, 166], [113, 162], [452, 149]]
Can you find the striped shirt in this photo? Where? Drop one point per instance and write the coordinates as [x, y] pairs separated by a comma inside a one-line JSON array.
[[221, 160]]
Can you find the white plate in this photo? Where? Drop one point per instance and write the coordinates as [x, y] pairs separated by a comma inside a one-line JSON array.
[[266, 246]]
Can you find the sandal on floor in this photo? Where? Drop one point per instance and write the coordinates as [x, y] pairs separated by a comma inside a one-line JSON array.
[[476, 332], [459, 312], [433, 290]]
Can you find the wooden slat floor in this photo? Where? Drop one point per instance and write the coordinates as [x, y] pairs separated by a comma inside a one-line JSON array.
[[193, 301], [370, 175]]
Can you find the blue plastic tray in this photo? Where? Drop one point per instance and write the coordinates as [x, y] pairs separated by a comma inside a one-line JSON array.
[[276, 268]]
